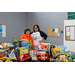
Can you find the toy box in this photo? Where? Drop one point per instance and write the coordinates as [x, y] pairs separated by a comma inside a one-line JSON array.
[[43, 46], [43, 55], [12, 55], [62, 58], [33, 54], [24, 57], [24, 50], [62, 47], [22, 53], [57, 51], [27, 43], [24, 44]]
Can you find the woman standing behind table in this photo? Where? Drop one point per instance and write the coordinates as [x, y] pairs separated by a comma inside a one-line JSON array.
[[38, 36]]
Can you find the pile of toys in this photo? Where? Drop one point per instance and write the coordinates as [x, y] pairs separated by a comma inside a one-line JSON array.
[[7, 54], [60, 55], [4, 45], [40, 52], [21, 51]]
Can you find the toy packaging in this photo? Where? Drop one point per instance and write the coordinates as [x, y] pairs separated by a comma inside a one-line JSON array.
[[62, 58], [24, 53], [43, 55], [57, 51], [24, 50], [43, 46], [12, 55], [33, 54], [62, 47], [24, 44], [27, 43], [24, 57]]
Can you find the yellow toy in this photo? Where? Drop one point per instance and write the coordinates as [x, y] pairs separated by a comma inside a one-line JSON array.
[[24, 50], [57, 50], [4, 59], [66, 60]]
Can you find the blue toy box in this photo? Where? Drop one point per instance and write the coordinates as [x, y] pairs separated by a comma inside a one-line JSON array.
[[24, 44]]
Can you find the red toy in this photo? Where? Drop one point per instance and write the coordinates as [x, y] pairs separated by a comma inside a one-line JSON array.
[[43, 55], [24, 57], [41, 46]]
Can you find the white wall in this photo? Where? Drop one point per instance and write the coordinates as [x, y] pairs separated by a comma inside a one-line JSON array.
[[70, 44]]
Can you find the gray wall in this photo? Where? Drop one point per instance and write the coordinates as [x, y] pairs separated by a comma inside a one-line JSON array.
[[15, 22], [45, 20]]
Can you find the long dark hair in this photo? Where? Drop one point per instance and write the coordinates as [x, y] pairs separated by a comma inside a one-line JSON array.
[[37, 27]]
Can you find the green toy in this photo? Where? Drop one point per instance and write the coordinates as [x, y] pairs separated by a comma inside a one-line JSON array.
[[71, 58], [26, 27], [66, 53], [14, 40]]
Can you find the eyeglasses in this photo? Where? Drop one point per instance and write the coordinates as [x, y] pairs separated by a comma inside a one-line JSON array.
[[35, 27]]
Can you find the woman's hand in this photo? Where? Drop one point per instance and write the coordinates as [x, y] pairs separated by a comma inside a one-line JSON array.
[[42, 41]]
